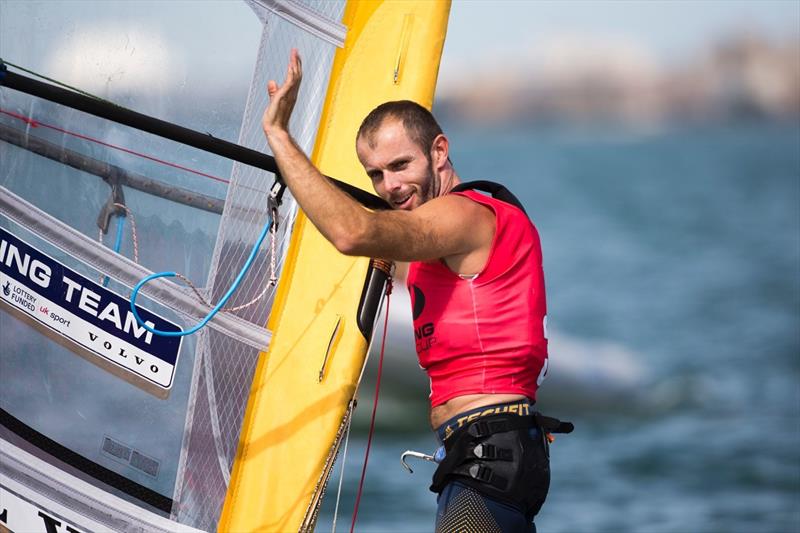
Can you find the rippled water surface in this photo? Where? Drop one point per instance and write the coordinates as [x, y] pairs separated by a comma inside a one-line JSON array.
[[673, 269]]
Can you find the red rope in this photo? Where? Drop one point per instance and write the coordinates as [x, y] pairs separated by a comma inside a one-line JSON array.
[[374, 406], [35, 124]]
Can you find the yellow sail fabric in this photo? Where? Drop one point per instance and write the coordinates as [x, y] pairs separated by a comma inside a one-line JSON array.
[[289, 435]]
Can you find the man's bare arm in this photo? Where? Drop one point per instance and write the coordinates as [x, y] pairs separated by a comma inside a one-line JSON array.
[[445, 226]]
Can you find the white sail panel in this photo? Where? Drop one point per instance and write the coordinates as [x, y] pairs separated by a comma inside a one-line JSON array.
[[169, 457]]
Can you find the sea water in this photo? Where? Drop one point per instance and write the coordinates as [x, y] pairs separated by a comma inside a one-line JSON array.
[[672, 260]]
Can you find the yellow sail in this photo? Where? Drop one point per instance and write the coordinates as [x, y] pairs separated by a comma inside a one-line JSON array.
[[304, 384]]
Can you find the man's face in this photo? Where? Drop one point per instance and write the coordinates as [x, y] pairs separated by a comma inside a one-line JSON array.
[[401, 172]]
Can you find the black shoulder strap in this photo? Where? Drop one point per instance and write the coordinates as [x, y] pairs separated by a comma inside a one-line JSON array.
[[495, 189]]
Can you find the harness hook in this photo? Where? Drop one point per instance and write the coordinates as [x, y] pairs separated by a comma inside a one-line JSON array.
[[437, 457]]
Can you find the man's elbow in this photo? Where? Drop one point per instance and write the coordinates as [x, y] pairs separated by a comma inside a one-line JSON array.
[[352, 241]]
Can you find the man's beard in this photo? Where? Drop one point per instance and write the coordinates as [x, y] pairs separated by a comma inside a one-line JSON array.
[[432, 187]]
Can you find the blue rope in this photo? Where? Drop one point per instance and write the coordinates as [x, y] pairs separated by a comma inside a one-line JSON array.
[[216, 308], [118, 243], [120, 227]]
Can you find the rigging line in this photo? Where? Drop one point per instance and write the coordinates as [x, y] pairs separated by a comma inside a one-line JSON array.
[[350, 408], [274, 201], [129, 214], [214, 311], [275, 197], [273, 277], [120, 230], [36, 123], [374, 405], [117, 243], [104, 170], [273, 280], [167, 130]]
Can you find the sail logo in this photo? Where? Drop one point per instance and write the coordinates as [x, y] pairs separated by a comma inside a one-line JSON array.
[[99, 322], [38, 272], [19, 296], [91, 302]]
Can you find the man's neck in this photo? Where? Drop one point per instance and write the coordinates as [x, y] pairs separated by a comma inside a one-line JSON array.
[[449, 180]]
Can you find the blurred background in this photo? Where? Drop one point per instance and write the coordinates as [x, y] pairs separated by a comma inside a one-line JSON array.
[[656, 146]]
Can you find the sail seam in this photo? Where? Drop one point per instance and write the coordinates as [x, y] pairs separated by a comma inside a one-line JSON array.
[[213, 413], [302, 16], [191, 411]]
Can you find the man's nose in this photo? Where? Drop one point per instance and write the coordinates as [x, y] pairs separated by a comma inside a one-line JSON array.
[[391, 181]]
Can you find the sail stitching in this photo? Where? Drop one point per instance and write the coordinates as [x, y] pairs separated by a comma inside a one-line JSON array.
[[222, 457], [305, 18]]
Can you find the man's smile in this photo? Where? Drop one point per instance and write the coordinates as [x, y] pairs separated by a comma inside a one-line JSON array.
[[402, 202]]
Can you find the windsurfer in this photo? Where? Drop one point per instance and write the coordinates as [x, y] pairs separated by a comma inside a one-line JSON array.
[[477, 288]]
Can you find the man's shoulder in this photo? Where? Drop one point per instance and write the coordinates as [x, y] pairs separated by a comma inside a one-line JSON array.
[[454, 202], [455, 225]]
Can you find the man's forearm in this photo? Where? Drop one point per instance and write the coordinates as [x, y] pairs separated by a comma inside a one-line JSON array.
[[339, 218]]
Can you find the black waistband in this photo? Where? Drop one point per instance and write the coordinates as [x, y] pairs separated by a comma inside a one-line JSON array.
[[521, 408]]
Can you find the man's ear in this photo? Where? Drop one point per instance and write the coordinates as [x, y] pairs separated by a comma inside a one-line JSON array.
[[440, 151]]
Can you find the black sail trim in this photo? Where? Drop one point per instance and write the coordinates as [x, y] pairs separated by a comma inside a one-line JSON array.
[[87, 466]]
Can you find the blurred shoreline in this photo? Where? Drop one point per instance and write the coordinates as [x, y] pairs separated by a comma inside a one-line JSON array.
[[742, 76]]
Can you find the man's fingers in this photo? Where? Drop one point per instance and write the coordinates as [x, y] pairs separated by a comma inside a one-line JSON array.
[[282, 97], [289, 73], [295, 64]]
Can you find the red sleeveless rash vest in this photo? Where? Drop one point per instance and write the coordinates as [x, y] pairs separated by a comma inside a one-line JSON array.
[[484, 335]]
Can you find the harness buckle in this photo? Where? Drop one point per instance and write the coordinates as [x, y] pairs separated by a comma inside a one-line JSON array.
[[484, 428], [479, 429], [480, 472], [491, 452]]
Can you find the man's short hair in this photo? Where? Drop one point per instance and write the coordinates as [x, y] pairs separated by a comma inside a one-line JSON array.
[[419, 123]]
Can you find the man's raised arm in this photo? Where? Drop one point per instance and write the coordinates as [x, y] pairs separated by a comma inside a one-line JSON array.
[[442, 227]]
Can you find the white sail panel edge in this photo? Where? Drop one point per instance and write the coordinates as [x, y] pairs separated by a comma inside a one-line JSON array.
[[59, 495], [304, 17]]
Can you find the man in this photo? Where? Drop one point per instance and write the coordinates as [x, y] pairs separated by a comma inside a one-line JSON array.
[[477, 288]]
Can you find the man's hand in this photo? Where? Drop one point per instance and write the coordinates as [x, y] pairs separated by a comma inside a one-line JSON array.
[[282, 98]]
